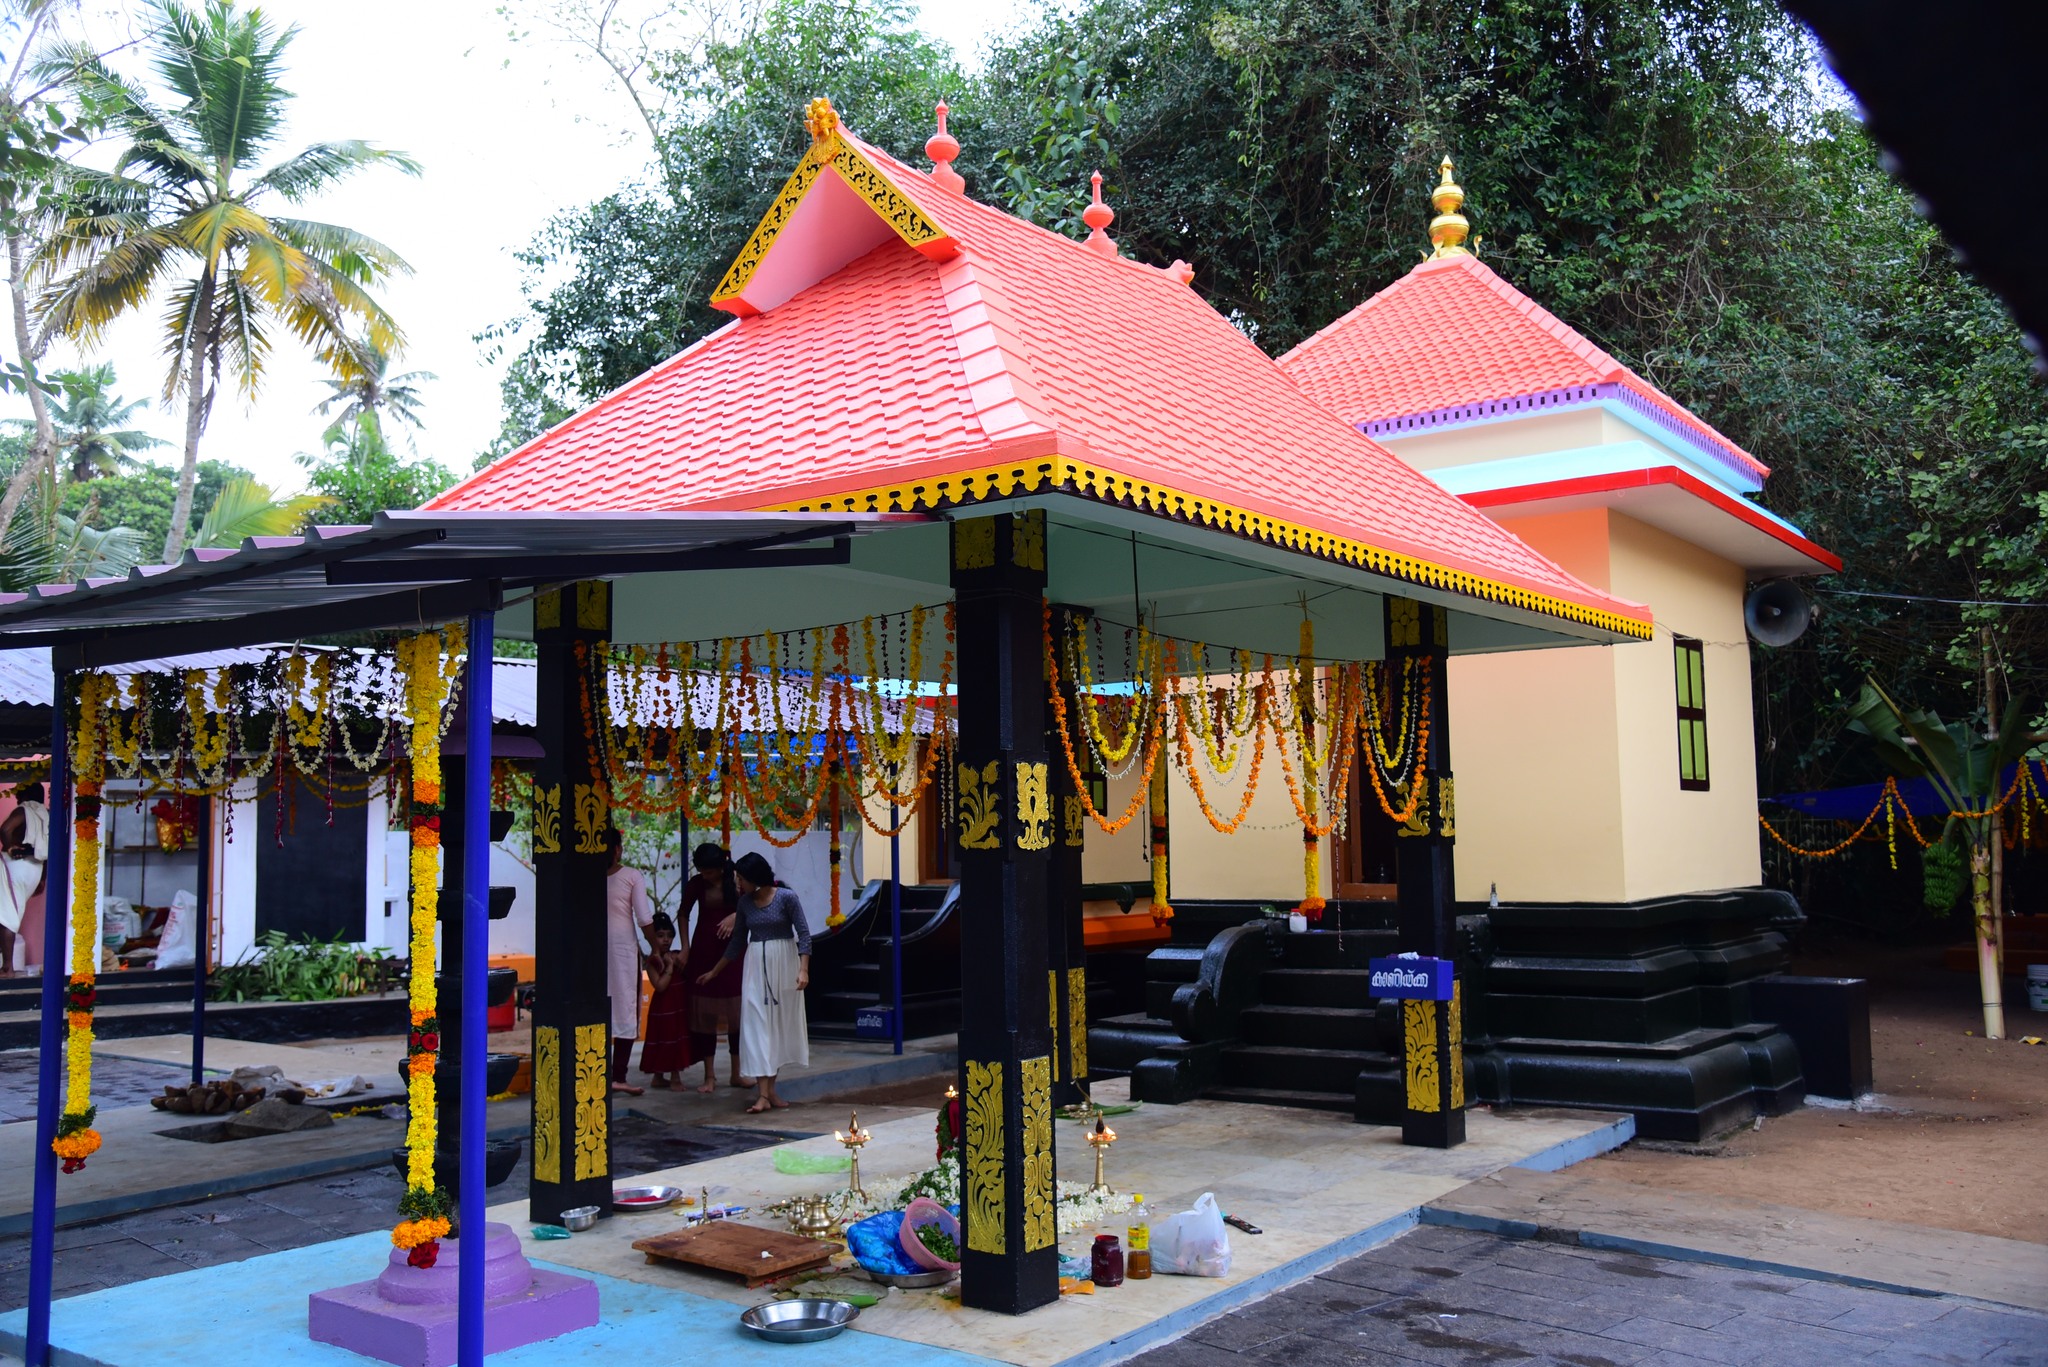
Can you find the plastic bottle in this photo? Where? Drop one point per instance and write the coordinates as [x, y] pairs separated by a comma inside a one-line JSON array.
[[1138, 1240]]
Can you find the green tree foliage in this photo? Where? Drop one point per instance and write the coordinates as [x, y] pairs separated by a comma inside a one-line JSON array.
[[187, 217], [87, 416], [45, 545], [371, 387], [246, 508], [359, 475], [1675, 178], [142, 500]]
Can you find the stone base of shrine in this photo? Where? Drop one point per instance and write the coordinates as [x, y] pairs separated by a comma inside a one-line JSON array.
[[406, 1315]]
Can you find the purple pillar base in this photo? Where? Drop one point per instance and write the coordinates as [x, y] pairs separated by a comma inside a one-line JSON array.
[[406, 1316]]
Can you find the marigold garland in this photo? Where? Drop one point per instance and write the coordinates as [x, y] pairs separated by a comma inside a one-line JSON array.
[[76, 1140], [424, 1208]]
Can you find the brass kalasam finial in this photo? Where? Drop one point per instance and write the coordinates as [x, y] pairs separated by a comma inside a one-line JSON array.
[[1447, 230], [821, 118]]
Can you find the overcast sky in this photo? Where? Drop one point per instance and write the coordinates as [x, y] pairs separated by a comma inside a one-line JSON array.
[[508, 133]]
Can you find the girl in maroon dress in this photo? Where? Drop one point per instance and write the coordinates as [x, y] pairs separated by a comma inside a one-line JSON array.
[[715, 1006], [667, 1051]]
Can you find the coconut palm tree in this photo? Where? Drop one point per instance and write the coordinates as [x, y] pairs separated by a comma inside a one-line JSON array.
[[44, 546], [185, 218], [374, 390], [245, 508], [87, 418]]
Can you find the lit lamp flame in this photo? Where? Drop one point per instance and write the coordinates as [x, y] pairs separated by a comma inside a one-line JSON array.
[[1100, 1140], [853, 1139]]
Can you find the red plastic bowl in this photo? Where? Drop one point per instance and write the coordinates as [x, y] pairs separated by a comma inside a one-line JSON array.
[[925, 1211]]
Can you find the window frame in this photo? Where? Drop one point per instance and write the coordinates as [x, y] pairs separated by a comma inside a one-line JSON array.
[[1689, 686]]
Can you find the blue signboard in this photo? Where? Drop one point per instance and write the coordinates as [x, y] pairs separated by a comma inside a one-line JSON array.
[[1411, 979], [875, 1022]]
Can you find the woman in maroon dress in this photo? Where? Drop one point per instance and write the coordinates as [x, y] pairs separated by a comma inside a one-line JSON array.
[[715, 1006]]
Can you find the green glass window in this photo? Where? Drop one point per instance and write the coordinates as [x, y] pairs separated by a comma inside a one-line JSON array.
[[1692, 714]]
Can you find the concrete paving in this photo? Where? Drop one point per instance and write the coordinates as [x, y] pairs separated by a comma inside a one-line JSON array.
[[1450, 1296], [1581, 1208]]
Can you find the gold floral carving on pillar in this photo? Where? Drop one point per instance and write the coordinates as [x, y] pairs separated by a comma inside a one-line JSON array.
[[547, 609], [1447, 807], [1052, 1015], [974, 544], [979, 800], [1077, 1023], [982, 1202], [1419, 1049], [593, 811], [593, 605], [593, 1083], [1041, 1228], [1034, 807], [1027, 539], [1075, 815], [1404, 622], [547, 1104], [1455, 1057], [547, 818]]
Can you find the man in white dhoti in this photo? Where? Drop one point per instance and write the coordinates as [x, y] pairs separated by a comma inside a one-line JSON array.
[[628, 911], [24, 849]]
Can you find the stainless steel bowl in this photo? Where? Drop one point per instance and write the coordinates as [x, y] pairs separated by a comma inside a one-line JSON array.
[[579, 1218], [803, 1321], [636, 1200], [912, 1281]]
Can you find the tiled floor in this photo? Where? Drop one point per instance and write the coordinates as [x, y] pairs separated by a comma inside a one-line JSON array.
[[115, 1082], [1443, 1296]]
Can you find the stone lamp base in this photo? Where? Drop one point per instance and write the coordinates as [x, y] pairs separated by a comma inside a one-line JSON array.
[[406, 1316]]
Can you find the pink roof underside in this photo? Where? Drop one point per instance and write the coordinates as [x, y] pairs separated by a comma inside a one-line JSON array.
[[1024, 344], [1452, 333]]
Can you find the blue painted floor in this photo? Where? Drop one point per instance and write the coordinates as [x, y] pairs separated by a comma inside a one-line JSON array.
[[255, 1312]]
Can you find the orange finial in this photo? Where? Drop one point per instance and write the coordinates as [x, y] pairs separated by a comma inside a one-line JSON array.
[[942, 147], [821, 118], [1099, 216]]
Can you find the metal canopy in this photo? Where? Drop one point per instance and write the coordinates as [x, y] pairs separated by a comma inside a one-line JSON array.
[[404, 568]]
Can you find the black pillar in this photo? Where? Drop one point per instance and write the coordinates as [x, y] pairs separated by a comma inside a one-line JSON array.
[[1432, 1033], [1007, 829], [451, 983], [1066, 948], [571, 1011]]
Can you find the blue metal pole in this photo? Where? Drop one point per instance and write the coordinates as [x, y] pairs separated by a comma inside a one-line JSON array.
[[202, 914], [475, 969], [42, 1256], [896, 932]]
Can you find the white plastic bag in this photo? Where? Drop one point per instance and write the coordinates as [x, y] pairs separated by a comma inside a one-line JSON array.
[[1193, 1243], [174, 946]]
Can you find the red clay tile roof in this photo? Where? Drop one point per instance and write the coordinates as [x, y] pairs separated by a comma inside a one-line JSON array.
[[1027, 359], [1452, 334]]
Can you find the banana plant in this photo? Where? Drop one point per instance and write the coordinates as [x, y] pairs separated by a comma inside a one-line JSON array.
[[1963, 765]]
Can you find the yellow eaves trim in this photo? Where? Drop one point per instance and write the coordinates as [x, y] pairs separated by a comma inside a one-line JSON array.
[[1059, 473]]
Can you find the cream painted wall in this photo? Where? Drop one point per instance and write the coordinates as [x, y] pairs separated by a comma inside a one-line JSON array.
[[1261, 862], [1677, 841], [1502, 439], [1125, 857]]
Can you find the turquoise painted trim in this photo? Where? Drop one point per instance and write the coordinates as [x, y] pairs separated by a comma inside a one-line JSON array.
[[176, 1321], [1580, 462], [1558, 1157]]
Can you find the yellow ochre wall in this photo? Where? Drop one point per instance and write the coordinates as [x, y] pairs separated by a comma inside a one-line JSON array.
[[1567, 759]]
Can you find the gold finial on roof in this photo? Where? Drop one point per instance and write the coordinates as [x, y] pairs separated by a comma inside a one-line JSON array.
[[1447, 230], [821, 118]]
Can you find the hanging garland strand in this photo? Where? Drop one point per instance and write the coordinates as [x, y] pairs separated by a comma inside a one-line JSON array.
[[76, 1139], [423, 1210]]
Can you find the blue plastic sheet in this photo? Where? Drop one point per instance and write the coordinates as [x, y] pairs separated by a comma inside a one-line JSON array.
[[876, 1243]]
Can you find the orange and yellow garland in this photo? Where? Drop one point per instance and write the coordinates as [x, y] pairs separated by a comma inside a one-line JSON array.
[[76, 1139], [424, 1208]]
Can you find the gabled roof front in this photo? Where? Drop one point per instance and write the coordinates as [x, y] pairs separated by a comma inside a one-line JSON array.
[[1452, 342], [902, 347]]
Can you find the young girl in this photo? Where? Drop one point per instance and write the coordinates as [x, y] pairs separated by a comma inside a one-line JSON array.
[[667, 1051]]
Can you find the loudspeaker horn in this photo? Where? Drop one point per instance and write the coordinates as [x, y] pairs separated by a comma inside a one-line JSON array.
[[1777, 612]]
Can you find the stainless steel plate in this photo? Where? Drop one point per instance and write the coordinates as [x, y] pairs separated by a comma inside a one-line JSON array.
[[637, 1199], [801, 1321], [912, 1281]]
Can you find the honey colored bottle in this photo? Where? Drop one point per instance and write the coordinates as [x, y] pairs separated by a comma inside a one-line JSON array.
[[1138, 1240]]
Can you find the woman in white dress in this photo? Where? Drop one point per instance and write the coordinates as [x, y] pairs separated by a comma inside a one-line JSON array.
[[773, 1031], [628, 911]]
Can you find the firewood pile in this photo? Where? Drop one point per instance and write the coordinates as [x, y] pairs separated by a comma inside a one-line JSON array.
[[216, 1098]]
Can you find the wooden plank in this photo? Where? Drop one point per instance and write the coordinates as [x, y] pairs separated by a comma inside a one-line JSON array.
[[749, 1252]]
